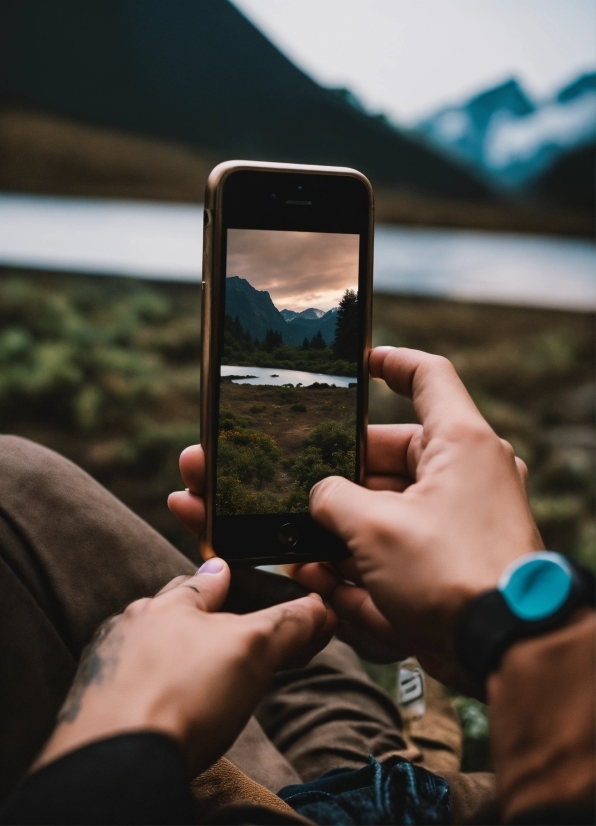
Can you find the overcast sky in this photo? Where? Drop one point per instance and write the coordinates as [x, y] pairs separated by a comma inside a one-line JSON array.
[[298, 269], [408, 57]]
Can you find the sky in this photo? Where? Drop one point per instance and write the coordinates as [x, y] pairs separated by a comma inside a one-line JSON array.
[[298, 269], [407, 58]]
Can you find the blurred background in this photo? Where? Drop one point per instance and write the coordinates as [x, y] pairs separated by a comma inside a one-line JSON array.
[[474, 119]]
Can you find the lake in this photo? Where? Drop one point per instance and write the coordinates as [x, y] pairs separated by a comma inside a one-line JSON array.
[[278, 377], [164, 241]]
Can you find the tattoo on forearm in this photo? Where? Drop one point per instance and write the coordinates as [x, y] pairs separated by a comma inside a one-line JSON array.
[[98, 662]]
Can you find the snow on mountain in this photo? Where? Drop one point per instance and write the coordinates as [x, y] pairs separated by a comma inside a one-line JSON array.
[[512, 138], [311, 313], [555, 126]]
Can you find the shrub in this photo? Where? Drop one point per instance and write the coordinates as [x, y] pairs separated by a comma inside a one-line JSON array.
[[232, 498], [228, 420], [248, 457], [331, 438], [331, 451]]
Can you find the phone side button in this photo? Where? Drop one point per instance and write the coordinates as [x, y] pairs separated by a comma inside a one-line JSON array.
[[288, 535]]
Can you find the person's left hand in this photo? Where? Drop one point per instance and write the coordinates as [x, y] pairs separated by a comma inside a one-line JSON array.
[[170, 664]]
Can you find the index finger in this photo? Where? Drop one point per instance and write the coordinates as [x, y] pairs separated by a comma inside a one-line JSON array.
[[391, 449], [437, 392], [192, 468], [291, 633]]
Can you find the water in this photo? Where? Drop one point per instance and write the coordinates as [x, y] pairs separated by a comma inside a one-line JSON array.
[[164, 241], [500, 268], [276, 376]]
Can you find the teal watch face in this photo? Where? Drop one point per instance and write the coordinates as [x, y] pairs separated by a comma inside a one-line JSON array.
[[537, 585]]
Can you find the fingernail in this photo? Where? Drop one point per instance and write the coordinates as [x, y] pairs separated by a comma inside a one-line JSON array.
[[214, 565]]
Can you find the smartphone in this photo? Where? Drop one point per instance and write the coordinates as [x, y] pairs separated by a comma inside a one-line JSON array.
[[286, 306]]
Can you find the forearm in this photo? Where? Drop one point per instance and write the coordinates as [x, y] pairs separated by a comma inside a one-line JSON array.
[[543, 721]]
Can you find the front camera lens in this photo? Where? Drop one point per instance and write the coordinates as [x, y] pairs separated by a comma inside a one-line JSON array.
[[300, 188], [273, 196]]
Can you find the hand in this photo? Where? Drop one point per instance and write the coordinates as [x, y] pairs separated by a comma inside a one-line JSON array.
[[170, 664], [423, 552], [361, 624]]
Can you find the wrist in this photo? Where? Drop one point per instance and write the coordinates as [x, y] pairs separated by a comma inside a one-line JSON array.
[[99, 718], [534, 595]]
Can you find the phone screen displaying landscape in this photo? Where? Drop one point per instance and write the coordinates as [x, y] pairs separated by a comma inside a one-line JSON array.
[[287, 414]]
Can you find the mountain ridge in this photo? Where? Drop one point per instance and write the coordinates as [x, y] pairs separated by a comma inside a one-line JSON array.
[[257, 313], [202, 74], [517, 141], [311, 312]]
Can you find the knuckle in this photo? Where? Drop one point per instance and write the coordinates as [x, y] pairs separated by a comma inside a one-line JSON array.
[[508, 449], [136, 607], [522, 467], [322, 494], [256, 644], [178, 580], [441, 363], [470, 431]]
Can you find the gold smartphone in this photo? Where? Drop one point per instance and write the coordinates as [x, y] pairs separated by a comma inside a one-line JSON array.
[[286, 319]]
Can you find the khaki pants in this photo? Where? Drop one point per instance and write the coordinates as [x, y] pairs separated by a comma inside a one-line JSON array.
[[71, 555]]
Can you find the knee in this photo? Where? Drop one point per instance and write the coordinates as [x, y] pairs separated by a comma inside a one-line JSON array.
[[17, 453], [27, 468]]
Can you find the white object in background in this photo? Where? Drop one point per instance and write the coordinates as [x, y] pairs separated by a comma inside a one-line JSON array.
[[411, 689]]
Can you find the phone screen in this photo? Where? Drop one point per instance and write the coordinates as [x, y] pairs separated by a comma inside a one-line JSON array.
[[288, 371]]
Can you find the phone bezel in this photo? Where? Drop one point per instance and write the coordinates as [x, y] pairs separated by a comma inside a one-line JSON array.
[[237, 196]]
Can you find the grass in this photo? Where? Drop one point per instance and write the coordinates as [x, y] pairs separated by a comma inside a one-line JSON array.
[[276, 442]]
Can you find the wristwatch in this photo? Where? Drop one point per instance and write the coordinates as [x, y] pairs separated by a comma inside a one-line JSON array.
[[535, 594]]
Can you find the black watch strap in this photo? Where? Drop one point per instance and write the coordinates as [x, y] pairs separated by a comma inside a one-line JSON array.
[[487, 626]]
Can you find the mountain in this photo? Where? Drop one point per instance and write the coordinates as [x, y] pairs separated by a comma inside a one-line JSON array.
[[312, 313], [202, 75], [582, 84], [303, 327], [462, 129], [516, 140], [254, 308], [570, 180], [258, 313]]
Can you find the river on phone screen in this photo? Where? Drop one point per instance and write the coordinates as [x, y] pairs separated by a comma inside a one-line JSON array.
[[280, 377]]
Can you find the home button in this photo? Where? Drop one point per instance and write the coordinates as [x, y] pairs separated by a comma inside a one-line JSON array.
[[288, 535]]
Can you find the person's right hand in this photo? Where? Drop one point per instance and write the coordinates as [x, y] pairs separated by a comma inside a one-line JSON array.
[[420, 554]]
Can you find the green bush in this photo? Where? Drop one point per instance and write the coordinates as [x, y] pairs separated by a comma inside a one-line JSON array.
[[228, 420], [233, 497], [248, 456], [331, 451]]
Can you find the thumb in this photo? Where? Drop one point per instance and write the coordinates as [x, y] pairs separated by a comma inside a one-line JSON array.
[[345, 508], [209, 586]]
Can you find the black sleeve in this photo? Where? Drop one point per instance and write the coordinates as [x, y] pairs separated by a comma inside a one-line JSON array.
[[131, 778], [556, 816]]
